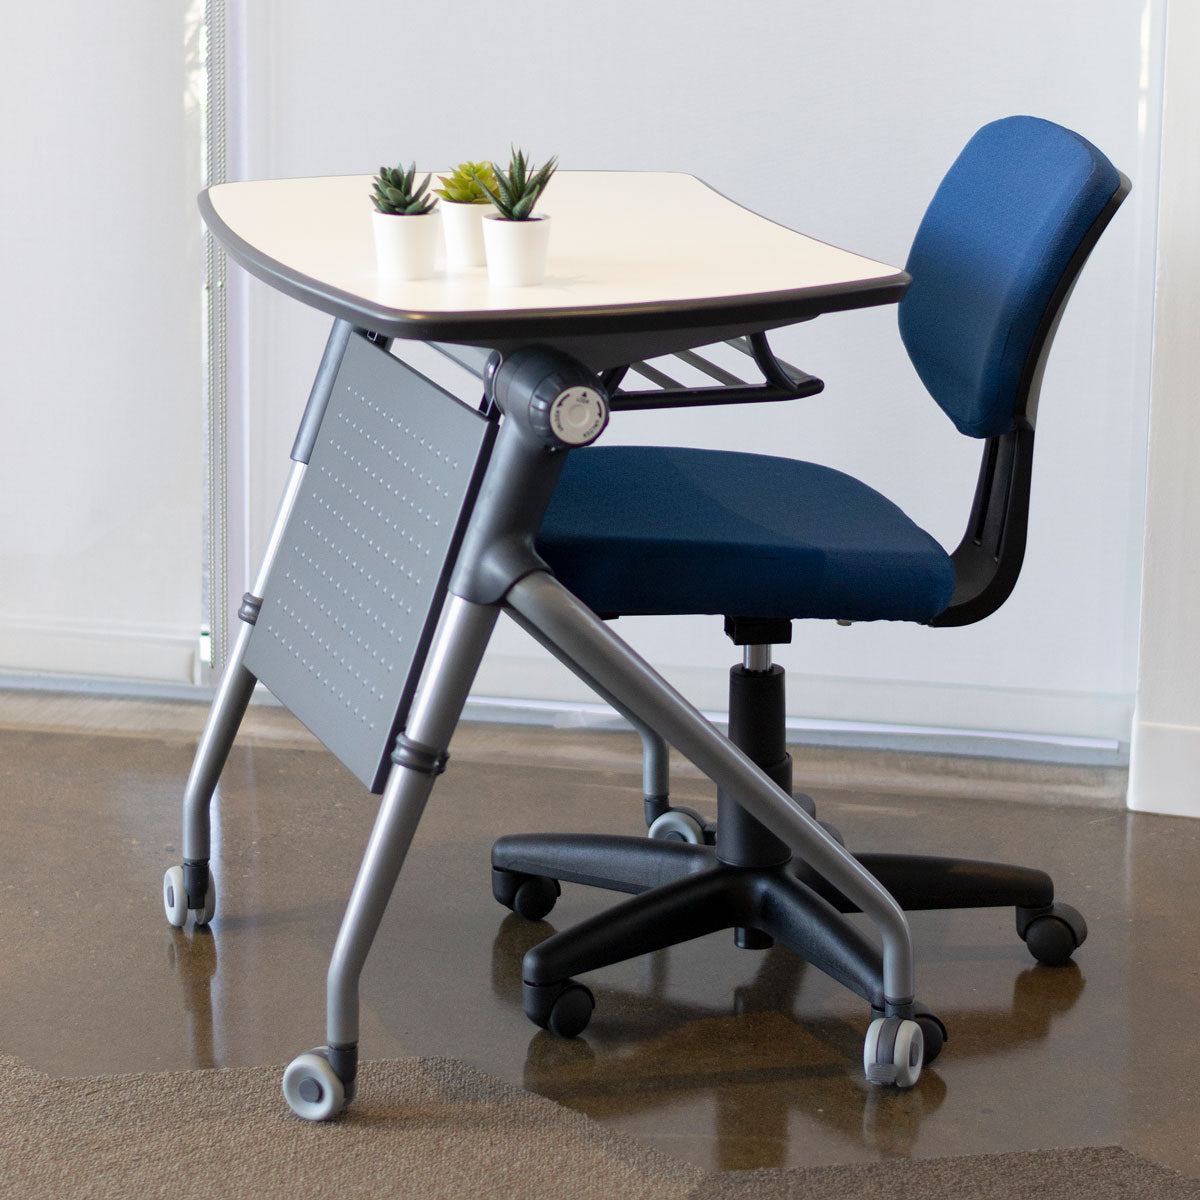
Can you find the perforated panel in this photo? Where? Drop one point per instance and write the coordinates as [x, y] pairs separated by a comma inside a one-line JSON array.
[[357, 586]]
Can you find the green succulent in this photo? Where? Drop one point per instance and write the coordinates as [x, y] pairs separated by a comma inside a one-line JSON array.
[[468, 183], [518, 190], [394, 192]]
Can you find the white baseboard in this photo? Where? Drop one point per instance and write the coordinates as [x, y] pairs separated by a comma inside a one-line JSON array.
[[1164, 769], [853, 713], [108, 652]]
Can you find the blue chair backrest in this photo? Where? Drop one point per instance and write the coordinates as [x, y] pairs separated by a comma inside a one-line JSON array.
[[992, 246]]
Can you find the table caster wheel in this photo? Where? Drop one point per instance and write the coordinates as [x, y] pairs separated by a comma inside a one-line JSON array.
[[175, 900], [205, 913], [312, 1088], [565, 1009], [894, 1051], [529, 896], [933, 1030], [1053, 933], [678, 825]]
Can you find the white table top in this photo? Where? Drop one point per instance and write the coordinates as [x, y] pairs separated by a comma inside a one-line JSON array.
[[628, 251]]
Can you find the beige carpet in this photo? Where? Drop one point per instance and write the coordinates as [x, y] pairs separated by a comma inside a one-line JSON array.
[[433, 1128]]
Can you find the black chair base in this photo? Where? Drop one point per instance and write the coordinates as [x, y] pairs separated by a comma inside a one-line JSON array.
[[748, 881], [683, 891]]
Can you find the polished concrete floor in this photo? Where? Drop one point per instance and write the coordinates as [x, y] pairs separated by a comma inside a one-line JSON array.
[[726, 1058]]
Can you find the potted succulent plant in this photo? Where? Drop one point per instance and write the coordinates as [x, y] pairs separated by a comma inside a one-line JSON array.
[[406, 226], [465, 194], [515, 238]]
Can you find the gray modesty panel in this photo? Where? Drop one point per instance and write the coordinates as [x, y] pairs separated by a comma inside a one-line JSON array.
[[355, 592]]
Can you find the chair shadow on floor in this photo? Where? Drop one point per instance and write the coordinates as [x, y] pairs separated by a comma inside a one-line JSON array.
[[761, 1062]]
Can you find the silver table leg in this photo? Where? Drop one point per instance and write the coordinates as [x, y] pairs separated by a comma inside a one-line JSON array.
[[190, 887], [318, 1084]]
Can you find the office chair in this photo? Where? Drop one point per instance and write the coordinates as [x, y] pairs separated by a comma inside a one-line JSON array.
[[764, 541]]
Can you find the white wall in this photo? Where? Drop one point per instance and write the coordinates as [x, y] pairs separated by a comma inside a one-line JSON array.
[[1165, 758], [100, 335], [838, 120]]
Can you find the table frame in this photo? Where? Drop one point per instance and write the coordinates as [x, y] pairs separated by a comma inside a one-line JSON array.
[[498, 569]]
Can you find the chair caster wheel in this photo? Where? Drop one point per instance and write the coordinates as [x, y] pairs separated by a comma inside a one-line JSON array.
[[529, 896], [934, 1034], [806, 802], [536, 896], [175, 899], [312, 1088], [1053, 933], [809, 805], [894, 1052], [833, 831], [680, 825], [564, 1008]]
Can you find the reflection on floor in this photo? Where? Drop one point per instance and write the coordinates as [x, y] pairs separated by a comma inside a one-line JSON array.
[[723, 1057]]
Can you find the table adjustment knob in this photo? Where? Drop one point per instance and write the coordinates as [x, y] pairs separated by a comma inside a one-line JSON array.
[[576, 416], [561, 401]]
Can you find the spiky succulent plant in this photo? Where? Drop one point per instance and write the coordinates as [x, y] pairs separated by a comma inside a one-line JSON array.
[[519, 188], [468, 183], [394, 192]]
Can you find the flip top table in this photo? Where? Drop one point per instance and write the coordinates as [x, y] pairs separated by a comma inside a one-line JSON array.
[[407, 522], [640, 264]]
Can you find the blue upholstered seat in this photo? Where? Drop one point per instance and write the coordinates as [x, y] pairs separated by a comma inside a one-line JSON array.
[[647, 529], [638, 530]]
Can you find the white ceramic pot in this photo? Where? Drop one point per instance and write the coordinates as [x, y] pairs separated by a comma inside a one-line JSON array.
[[462, 229], [516, 250], [406, 247]]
